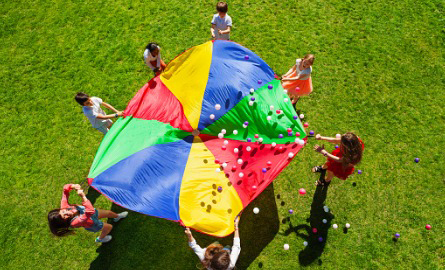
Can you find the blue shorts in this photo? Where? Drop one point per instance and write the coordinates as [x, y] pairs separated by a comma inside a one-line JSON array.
[[98, 224]]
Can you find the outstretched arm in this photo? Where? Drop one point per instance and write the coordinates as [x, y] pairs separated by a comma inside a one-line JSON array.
[[108, 106], [328, 139], [109, 116], [236, 248], [192, 243], [320, 149]]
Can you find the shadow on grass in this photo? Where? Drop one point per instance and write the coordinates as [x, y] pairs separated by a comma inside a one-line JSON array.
[[144, 242], [315, 247]]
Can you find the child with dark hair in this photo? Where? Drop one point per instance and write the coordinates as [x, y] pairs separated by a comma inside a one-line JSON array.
[[92, 110], [221, 22], [297, 81], [73, 216], [341, 161], [152, 58], [215, 256]]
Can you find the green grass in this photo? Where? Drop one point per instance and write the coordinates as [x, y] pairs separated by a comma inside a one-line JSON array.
[[379, 72]]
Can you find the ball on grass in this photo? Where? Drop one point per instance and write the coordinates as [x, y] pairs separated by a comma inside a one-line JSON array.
[[291, 211], [335, 226], [417, 160], [325, 221], [301, 116], [305, 243], [428, 227], [256, 210], [286, 247], [397, 235], [302, 191], [347, 225]]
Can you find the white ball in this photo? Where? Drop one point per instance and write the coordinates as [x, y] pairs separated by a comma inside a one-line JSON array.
[[305, 243], [220, 135], [224, 165], [218, 170], [241, 175], [226, 142], [223, 131], [348, 225], [250, 103], [271, 107], [290, 155], [301, 116], [286, 247], [297, 140], [260, 139], [326, 209], [256, 210], [325, 221], [274, 144], [248, 148], [218, 107], [212, 116], [235, 132], [335, 226], [252, 90], [244, 126], [338, 136], [240, 161], [285, 91], [301, 142], [236, 150], [286, 99], [268, 118]]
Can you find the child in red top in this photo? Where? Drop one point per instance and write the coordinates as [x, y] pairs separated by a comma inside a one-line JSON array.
[[85, 215], [341, 161]]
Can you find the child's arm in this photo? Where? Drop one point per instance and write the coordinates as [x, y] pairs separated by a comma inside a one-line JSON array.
[[299, 77], [212, 30], [227, 31], [89, 211], [192, 243], [66, 195], [108, 106], [290, 71], [328, 139], [109, 116], [325, 153], [236, 248]]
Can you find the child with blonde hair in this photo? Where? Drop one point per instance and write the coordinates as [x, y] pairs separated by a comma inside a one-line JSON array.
[[297, 81]]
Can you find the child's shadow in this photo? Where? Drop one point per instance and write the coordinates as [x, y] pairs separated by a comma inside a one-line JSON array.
[[315, 246]]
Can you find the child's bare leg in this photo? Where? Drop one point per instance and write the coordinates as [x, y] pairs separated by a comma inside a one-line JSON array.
[[106, 229], [329, 176], [106, 214]]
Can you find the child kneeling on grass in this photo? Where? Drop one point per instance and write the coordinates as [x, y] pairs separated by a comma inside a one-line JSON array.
[[341, 161], [92, 110], [85, 215], [215, 256]]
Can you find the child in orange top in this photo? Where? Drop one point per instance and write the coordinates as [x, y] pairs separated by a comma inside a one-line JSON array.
[[297, 81], [85, 215], [341, 161]]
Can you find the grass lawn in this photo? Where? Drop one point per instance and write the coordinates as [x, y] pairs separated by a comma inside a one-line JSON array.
[[379, 71]]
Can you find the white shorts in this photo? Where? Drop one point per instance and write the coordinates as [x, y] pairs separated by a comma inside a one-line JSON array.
[[104, 129]]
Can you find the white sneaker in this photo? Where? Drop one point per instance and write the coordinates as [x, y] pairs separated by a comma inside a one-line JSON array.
[[104, 240], [120, 215]]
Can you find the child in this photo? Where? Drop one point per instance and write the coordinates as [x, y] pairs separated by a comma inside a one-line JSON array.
[[74, 216], [215, 256], [152, 57], [342, 160], [221, 22], [91, 108], [297, 81]]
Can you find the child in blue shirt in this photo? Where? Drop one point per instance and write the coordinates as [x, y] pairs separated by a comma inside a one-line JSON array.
[[221, 22]]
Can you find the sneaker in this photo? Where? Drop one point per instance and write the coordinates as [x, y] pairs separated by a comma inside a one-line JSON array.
[[104, 240], [120, 216]]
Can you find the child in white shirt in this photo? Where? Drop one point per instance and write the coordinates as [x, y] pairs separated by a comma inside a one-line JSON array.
[[221, 22], [92, 110], [153, 59], [215, 256]]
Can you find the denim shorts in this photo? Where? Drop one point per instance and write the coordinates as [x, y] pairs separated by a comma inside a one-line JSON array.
[[98, 224]]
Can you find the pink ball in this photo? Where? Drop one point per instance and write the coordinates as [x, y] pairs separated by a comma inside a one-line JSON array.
[[302, 191], [223, 147], [234, 168], [297, 88], [306, 124], [314, 230], [269, 163], [216, 161], [428, 227], [289, 130], [297, 134], [278, 111], [257, 136], [254, 187]]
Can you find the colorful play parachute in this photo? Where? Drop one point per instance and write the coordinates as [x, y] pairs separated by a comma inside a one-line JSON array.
[[201, 141]]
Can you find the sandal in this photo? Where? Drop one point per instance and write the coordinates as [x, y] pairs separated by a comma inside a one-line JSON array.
[[317, 169], [320, 182]]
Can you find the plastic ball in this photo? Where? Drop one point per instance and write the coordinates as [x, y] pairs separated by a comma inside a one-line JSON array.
[[306, 124], [297, 88], [256, 136], [274, 144], [320, 239], [235, 132], [241, 175], [270, 86], [218, 170], [226, 142], [249, 139], [269, 118], [301, 116], [335, 226], [260, 81], [236, 150], [278, 111], [223, 147], [347, 225], [295, 117], [289, 130], [246, 57], [280, 136], [218, 107], [252, 90], [301, 142], [311, 133], [248, 148], [220, 188], [244, 126], [286, 99], [314, 230], [251, 103], [338, 136], [240, 161], [417, 160], [291, 211], [269, 163], [252, 98], [234, 168], [223, 131], [428, 227], [280, 148], [325, 221], [297, 140], [290, 155], [302, 191], [286, 247], [246, 123], [271, 107], [212, 116], [224, 165], [359, 171], [290, 133], [305, 243], [220, 135], [326, 209], [397, 235], [285, 91], [256, 210], [336, 147], [297, 134], [264, 170], [260, 140], [254, 187], [216, 161]]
